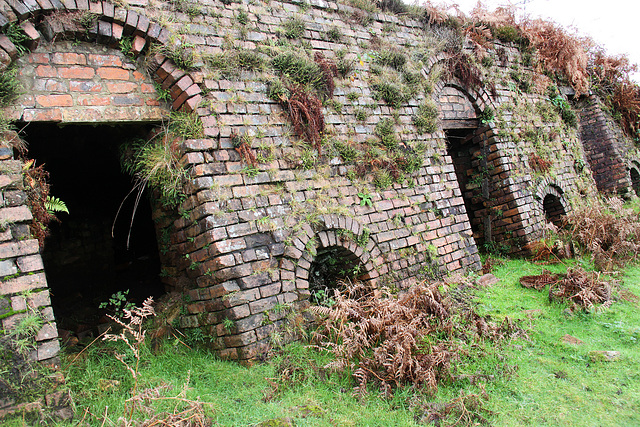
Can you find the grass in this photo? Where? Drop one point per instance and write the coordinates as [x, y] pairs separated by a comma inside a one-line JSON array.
[[557, 383], [536, 381]]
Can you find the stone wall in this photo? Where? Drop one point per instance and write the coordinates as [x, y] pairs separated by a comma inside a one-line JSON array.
[[248, 237]]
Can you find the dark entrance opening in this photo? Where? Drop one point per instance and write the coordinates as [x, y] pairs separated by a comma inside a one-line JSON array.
[[635, 181], [330, 268], [85, 265], [553, 209], [469, 162]]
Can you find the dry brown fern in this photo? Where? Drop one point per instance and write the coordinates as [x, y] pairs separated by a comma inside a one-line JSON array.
[[607, 230]]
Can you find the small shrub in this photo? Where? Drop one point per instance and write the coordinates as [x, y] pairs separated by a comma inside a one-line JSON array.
[[277, 91], [182, 54], [345, 67], [389, 92], [394, 6], [329, 71], [16, 34], [507, 34], [242, 17], [347, 151], [392, 58], [605, 229], [462, 67], [383, 179], [361, 114], [426, 121], [294, 28], [156, 163], [538, 163], [334, 34], [299, 69], [411, 78], [569, 117], [10, 86], [385, 130], [305, 112]]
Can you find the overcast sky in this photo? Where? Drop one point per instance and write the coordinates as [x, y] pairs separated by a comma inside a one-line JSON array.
[[613, 23]]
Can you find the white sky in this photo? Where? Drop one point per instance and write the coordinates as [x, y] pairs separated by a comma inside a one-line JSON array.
[[613, 24]]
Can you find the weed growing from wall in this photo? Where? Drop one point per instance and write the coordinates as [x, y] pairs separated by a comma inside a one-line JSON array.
[[18, 37], [293, 28], [155, 163], [10, 86], [426, 120]]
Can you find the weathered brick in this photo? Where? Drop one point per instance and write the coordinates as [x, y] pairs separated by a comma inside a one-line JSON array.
[[7, 45], [48, 349], [17, 249], [30, 263], [84, 86], [8, 268], [47, 332], [32, 34], [15, 214], [240, 339], [23, 284], [68, 58], [76, 72], [112, 73], [121, 87], [263, 304], [47, 101], [42, 115]]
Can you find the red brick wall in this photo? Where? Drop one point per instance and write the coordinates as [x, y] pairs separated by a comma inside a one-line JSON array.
[[83, 83]]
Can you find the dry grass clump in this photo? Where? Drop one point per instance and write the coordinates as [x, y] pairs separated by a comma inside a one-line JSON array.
[[606, 229], [584, 289], [392, 341]]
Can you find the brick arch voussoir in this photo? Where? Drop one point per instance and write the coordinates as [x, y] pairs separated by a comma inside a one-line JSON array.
[[478, 96], [112, 24], [329, 233]]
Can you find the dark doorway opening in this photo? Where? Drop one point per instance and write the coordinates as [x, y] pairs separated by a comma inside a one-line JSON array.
[[469, 161], [330, 268], [635, 181], [553, 209], [85, 265]]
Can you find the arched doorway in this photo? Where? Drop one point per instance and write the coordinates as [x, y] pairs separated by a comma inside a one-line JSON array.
[[554, 211], [635, 180], [90, 255]]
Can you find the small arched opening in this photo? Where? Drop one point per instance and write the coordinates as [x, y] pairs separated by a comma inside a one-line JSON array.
[[331, 268], [554, 211], [635, 181]]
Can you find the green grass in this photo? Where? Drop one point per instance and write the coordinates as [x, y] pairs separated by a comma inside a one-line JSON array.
[[537, 380], [556, 383]]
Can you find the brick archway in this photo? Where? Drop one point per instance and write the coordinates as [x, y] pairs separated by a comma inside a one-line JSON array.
[[332, 231], [111, 26], [552, 202], [634, 177], [27, 287]]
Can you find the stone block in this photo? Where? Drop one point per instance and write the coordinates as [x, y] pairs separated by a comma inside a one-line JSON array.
[[23, 283], [8, 268], [48, 349], [263, 304], [17, 249]]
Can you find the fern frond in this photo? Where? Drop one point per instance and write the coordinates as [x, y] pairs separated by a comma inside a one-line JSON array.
[[53, 204]]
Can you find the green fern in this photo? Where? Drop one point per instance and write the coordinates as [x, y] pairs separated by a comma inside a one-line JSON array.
[[53, 204]]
